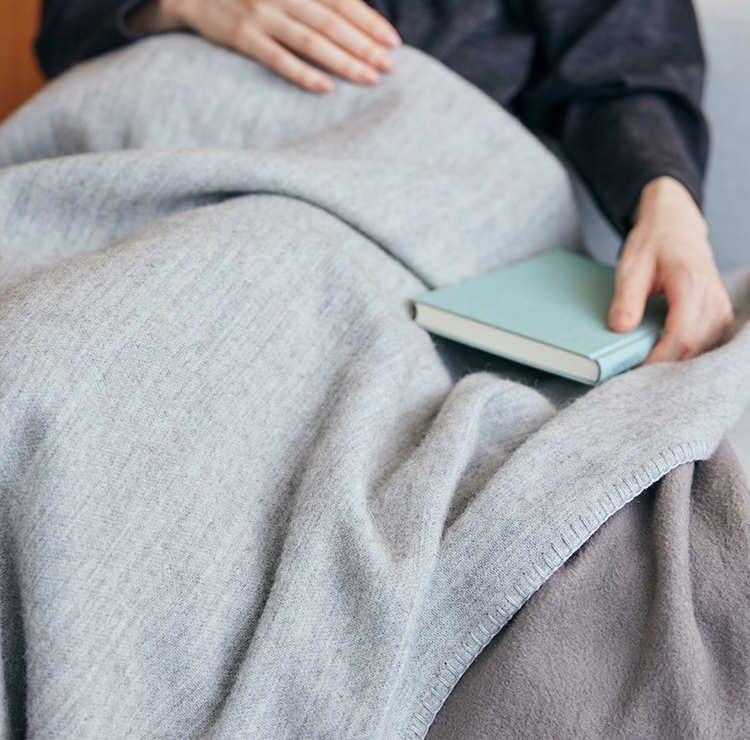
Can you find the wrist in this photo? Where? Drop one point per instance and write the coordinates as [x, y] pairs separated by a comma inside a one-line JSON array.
[[666, 197]]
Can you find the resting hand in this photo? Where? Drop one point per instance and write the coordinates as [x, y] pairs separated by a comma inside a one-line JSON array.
[[667, 251], [345, 36]]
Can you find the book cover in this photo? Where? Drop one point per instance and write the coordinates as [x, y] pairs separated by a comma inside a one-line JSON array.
[[549, 312]]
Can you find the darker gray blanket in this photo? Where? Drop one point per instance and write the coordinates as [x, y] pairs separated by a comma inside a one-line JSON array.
[[645, 633]]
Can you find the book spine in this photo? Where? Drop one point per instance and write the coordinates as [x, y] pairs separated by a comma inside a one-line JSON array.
[[624, 358]]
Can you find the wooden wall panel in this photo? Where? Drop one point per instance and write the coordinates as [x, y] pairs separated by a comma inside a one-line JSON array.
[[20, 76]]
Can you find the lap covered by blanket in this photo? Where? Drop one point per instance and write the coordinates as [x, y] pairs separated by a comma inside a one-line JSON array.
[[243, 494]]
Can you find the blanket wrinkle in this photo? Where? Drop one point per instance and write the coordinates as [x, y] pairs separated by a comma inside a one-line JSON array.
[[207, 177], [395, 180], [245, 494]]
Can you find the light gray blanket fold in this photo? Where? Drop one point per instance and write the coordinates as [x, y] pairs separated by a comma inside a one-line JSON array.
[[242, 495]]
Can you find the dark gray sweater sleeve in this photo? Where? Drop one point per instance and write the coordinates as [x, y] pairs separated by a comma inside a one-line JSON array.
[[617, 82], [620, 84], [74, 30]]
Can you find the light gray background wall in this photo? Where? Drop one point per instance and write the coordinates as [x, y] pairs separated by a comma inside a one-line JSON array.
[[726, 34]]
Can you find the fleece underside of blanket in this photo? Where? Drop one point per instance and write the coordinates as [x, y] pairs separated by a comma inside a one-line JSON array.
[[242, 493], [644, 633]]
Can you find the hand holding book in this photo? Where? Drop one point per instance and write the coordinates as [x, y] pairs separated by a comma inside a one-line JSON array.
[[667, 251], [549, 311], [568, 315]]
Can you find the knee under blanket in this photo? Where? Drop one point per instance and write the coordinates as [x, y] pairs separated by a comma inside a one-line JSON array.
[[242, 495]]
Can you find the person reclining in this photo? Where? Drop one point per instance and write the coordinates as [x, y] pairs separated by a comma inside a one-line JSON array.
[[617, 83]]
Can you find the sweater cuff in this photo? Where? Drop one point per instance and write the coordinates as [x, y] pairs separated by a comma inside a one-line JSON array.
[[620, 144], [122, 13]]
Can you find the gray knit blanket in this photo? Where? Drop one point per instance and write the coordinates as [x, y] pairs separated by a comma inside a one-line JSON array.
[[243, 494]]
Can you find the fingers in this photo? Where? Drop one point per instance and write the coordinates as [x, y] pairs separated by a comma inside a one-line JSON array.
[[682, 328], [305, 40], [369, 20], [351, 23], [346, 37], [230, 23], [699, 313], [251, 41], [634, 279]]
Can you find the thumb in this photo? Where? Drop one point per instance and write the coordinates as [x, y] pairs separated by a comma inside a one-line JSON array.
[[634, 279]]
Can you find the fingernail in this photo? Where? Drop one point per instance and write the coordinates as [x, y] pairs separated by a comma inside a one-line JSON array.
[[618, 319], [385, 64], [391, 38], [323, 84], [368, 75]]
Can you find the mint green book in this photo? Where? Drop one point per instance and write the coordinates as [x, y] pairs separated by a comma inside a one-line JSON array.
[[549, 312]]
